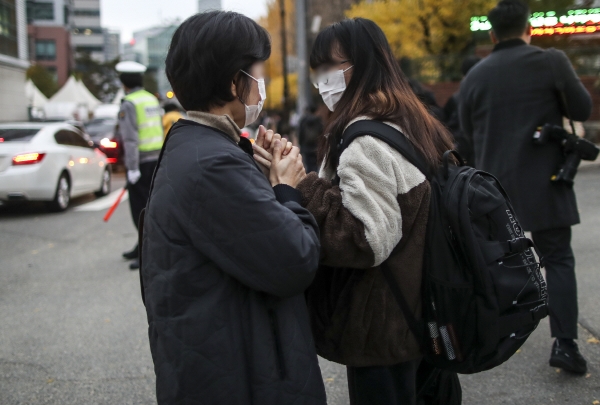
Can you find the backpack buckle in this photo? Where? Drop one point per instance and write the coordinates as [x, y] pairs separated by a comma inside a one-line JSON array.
[[519, 245]]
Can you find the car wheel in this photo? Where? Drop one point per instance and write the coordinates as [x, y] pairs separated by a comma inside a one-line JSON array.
[[62, 197], [105, 186]]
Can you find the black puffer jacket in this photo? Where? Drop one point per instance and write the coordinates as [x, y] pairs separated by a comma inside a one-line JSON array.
[[226, 259]]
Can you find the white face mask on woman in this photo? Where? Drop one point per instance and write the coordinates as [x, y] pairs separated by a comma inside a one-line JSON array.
[[331, 87], [253, 111]]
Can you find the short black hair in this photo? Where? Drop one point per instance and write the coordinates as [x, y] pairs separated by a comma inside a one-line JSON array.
[[132, 80], [509, 19], [207, 52]]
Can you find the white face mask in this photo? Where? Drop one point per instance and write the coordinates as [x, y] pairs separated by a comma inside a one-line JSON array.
[[331, 87], [253, 111]]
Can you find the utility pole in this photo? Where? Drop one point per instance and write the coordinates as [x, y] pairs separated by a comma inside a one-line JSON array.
[[301, 53], [286, 87]]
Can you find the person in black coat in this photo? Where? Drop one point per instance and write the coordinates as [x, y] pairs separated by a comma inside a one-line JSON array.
[[310, 130], [227, 248], [504, 99], [462, 145]]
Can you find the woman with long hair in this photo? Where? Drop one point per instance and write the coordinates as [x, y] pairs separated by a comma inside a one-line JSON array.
[[372, 207]]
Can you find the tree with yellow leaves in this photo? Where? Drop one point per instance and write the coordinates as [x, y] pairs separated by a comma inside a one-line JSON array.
[[419, 28], [274, 68]]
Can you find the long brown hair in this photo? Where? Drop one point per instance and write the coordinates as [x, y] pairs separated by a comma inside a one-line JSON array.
[[378, 89]]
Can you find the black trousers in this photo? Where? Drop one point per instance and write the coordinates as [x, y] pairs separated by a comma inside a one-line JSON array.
[[383, 385], [555, 247], [140, 191]]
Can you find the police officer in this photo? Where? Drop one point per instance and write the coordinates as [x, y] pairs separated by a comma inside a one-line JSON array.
[[502, 102], [141, 134]]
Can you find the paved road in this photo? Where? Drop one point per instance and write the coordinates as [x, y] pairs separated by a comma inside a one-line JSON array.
[[73, 328]]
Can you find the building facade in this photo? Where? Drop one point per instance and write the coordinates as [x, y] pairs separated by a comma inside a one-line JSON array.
[[13, 60], [112, 45], [49, 36], [206, 5], [149, 47], [87, 33]]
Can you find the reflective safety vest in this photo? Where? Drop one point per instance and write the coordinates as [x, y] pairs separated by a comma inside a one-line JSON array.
[[150, 130]]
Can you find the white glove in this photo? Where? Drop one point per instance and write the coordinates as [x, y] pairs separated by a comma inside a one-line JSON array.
[[133, 176]]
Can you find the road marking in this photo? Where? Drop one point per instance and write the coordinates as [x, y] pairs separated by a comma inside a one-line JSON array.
[[103, 203]]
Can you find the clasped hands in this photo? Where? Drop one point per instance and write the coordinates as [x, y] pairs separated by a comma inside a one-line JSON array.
[[280, 161]]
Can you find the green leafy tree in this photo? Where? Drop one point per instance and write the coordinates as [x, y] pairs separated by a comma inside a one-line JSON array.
[[100, 78], [43, 79]]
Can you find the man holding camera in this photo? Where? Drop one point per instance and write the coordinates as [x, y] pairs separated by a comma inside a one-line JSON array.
[[504, 100]]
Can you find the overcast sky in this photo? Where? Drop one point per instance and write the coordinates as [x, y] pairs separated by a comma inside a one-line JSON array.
[[132, 15]]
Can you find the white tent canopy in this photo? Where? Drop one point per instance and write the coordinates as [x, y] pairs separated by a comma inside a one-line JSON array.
[[34, 95], [73, 100], [75, 92], [92, 102]]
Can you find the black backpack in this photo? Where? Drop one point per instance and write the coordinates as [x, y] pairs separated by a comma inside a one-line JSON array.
[[483, 292]]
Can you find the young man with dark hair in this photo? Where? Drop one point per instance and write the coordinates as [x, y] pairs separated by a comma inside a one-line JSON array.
[[227, 247], [504, 99]]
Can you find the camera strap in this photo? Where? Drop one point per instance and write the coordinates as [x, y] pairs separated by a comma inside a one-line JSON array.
[[560, 87]]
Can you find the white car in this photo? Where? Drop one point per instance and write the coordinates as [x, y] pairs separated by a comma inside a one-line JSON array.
[[51, 162]]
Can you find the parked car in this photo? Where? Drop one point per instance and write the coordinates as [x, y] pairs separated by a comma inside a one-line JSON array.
[[102, 132], [50, 162]]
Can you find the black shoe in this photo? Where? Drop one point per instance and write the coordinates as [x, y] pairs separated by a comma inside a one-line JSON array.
[[134, 265], [565, 355], [133, 254]]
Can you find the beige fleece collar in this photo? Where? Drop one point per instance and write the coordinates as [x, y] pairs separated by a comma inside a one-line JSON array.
[[223, 123]]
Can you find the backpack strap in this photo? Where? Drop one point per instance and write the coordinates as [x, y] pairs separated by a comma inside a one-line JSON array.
[[389, 135]]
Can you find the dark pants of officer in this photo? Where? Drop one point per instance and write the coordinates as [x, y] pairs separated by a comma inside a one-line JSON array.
[[555, 248], [140, 191], [383, 385]]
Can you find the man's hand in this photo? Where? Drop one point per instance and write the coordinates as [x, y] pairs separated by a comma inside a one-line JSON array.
[[266, 140], [286, 169], [133, 176], [264, 157]]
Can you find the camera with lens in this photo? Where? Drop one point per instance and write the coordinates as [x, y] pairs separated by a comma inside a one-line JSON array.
[[575, 148]]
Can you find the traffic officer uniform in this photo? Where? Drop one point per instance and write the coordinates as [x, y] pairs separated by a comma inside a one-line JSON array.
[[141, 133]]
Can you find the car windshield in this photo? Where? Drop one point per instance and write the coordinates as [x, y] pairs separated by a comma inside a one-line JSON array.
[[17, 134], [100, 128]]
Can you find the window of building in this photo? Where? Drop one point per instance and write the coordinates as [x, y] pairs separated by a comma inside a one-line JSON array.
[[87, 12], [40, 11], [89, 48], [8, 28], [45, 49]]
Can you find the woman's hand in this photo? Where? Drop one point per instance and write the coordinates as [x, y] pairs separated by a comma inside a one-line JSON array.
[[286, 169]]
